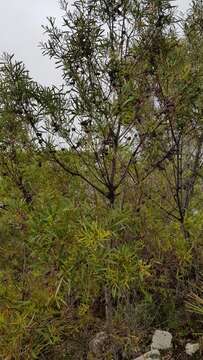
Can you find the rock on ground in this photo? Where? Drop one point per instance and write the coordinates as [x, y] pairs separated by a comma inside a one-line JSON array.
[[191, 349], [162, 340], [151, 355]]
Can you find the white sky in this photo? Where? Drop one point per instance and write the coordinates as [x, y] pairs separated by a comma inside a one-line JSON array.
[[21, 32]]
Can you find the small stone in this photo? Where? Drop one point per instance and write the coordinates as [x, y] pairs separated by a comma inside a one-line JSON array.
[[151, 355], [162, 340], [191, 349]]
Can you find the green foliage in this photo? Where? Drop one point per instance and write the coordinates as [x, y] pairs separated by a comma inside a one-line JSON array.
[[101, 217]]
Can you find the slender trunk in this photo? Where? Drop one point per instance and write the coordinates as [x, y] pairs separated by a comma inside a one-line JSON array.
[[108, 308], [107, 290], [184, 231], [24, 272]]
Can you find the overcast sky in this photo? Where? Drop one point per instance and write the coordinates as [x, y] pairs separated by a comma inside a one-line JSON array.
[[21, 32]]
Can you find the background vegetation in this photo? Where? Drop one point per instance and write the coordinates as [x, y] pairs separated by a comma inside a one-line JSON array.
[[101, 184]]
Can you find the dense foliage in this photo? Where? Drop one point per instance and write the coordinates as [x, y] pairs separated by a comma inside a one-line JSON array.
[[101, 217]]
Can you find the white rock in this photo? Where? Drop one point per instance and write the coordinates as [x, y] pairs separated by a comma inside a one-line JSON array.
[[162, 340], [191, 349], [151, 355]]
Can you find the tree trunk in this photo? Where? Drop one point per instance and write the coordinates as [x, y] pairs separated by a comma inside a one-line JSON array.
[[107, 290]]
